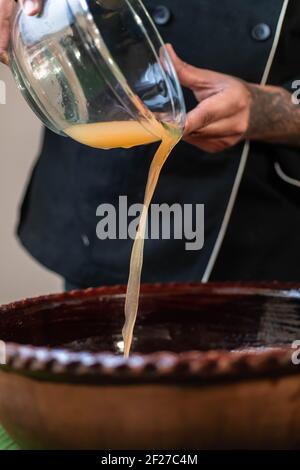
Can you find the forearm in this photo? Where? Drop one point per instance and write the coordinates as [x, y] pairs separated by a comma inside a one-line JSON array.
[[273, 116]]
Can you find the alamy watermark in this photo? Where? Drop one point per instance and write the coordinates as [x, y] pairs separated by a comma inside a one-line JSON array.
[[2, 92], [296, 354], [2, 353], [165, 222], [296, 94]]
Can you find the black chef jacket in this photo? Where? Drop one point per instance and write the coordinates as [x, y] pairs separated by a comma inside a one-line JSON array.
[[58, 216]]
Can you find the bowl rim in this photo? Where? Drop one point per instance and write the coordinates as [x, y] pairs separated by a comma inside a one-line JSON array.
[[57, 364]]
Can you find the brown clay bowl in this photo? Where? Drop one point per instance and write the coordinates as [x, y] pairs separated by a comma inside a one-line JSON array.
[[211, 369]]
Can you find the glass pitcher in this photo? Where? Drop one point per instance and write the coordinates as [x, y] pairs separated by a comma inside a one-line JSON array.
[[96, 62]]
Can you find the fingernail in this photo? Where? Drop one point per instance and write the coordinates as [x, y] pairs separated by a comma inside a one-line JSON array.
[[170, 47], [30, 7], [4, 58]]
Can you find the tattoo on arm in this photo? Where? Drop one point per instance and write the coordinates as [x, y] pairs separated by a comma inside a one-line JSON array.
[[274, 117]]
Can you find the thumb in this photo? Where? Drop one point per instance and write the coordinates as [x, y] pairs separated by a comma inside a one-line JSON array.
[[187, 74], [32, 7]]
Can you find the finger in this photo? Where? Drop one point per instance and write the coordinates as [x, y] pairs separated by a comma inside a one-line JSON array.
[[32, 7], [6, 11], [213, 145], [228, 127], [211, 110], [203, 144], [188, 75]]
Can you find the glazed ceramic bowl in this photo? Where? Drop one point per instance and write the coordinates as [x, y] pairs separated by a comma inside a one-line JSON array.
[[212, 367]]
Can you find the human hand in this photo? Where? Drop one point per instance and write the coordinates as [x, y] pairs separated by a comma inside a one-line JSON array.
[[31, 7], [222, 116]]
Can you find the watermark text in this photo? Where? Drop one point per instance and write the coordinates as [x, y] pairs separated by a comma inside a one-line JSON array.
[[165, 222], [2, 353], [2, 92]]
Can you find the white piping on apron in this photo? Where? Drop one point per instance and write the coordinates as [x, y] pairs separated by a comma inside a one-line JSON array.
[[285, 177], [244, 157]]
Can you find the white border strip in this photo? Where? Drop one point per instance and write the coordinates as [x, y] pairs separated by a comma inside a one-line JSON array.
[[285, 177], [244, 157]]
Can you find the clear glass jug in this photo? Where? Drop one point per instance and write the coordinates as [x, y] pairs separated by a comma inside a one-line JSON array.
[[98, 61]]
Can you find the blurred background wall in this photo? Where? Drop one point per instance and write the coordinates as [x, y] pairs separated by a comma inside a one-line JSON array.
[[20, 134]]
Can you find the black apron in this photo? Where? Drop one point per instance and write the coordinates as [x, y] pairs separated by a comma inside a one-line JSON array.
[[58, 217]]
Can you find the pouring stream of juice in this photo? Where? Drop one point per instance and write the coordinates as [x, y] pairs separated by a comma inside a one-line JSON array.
[[129, 134]]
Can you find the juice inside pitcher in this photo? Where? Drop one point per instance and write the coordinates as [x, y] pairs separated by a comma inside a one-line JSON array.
[[129, 134], [107, 135]]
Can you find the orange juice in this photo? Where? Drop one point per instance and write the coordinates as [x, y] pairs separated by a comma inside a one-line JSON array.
[[169, 138], [129, 134], [108, 135]]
